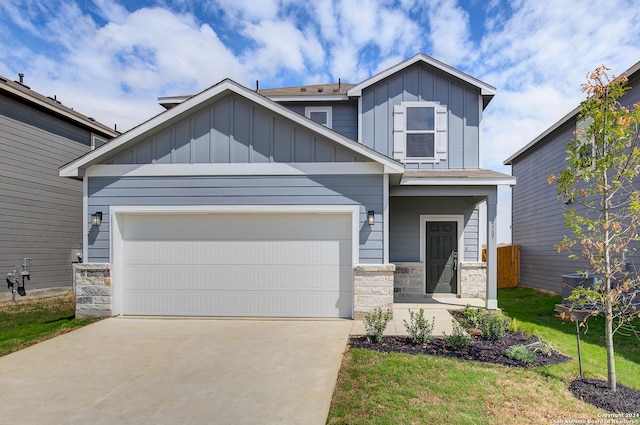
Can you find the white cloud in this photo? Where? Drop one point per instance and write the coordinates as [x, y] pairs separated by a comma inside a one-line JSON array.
[[449, 33]]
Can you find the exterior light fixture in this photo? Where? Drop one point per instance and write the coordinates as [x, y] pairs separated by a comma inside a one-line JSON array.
[[96, 218], [371, 217]]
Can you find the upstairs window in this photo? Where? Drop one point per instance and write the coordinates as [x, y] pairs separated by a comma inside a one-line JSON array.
[[97, 141], [420, 132], [319, 114]]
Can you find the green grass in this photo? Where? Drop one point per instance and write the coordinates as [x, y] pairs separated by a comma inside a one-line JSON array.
[[27, 322], [535, 312], [377, 388]]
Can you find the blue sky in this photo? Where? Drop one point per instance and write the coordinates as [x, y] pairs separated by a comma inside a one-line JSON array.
[[111, 59]]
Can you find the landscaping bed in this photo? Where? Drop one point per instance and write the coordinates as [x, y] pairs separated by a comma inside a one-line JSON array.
[[480, 349], [492, 338]]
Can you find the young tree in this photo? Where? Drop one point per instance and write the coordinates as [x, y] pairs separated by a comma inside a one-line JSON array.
[[598, 188]]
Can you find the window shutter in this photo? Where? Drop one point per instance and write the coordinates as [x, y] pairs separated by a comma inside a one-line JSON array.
[[399, 136], [441, 133]]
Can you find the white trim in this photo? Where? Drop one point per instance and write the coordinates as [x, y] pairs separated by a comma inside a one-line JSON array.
[[85, 220], [385, 219], [223, 88], [459, 219], [452, 181], [307, 168], [485, 89], [326, 109], [482, 227], [480, 117], [360, 120], [116, 241]]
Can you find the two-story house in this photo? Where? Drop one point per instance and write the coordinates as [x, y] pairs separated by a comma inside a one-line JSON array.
[[314, 201], [538, 224], [41, 212]]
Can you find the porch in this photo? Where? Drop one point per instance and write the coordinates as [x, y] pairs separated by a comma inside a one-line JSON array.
[[435, 308]]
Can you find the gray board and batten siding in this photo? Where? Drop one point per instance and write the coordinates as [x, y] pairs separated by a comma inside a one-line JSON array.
[[233, 130], [404, 225], [40, 213], [537, 214], [364, 191], [344, 115], [422, 83]]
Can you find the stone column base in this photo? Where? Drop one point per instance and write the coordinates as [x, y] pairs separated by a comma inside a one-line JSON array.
[[372, 288], [93, 290], [474, 280]]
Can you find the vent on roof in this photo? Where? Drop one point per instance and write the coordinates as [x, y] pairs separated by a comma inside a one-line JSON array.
[[303, 89], [4, 80], [91, 119], [21, 82], [320, 89], [55, 99]]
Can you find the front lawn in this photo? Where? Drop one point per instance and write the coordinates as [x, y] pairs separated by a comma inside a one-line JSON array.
[[378, 388], [27, 322]]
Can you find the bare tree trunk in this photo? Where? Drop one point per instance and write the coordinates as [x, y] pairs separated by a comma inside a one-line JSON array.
[[611, 364]]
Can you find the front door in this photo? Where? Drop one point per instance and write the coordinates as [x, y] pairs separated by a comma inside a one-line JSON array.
[[442, 257]]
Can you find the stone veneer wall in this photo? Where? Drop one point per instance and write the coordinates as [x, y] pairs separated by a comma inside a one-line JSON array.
[[372, 288], [474, 280], [409, 279], [93, 290]]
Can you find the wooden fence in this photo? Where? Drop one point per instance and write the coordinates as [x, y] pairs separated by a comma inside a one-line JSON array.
[[508, 265]]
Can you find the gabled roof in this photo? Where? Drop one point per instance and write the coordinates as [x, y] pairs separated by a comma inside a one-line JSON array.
[[24, 94], [486, 91], [210, 95], [632, 72]]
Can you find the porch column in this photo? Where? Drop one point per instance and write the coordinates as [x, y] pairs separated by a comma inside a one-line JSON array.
[[492, 250]]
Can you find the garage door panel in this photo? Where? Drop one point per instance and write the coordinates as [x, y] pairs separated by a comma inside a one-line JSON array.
[[293, 265], [233, 278], [238, 253], [279, 304]]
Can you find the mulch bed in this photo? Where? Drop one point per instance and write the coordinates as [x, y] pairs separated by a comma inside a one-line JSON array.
[[480, 349], [595, 391]]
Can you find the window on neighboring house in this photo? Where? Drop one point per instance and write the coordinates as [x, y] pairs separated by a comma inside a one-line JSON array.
[[97, 141], [420, 131], [319, 114]]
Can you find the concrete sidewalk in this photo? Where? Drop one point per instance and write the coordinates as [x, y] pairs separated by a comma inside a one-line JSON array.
[[436, 309]]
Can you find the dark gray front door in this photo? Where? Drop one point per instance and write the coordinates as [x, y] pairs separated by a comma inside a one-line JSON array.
[[442, 257]]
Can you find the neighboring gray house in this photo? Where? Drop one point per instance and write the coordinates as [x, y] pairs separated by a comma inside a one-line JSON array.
[[315, 201], [538, 223], [41, 212]]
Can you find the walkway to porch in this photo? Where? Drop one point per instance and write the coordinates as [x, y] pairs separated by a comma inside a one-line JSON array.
[[437, 308]]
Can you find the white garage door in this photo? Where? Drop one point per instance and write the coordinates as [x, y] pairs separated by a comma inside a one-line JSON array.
[[278, 265]]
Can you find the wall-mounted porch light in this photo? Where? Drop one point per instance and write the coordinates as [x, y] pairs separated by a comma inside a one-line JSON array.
[[371, 217], [96, 218]]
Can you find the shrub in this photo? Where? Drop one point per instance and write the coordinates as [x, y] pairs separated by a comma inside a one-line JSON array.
[[493, 326], [541, 346], [514, 325], [472, 315], [520, 353], [375, 324], [458, 339], [419, 328]]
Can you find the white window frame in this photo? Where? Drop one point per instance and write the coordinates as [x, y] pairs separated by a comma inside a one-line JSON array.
[[327, 109], [93, 141], [400, 132], [408, 132]]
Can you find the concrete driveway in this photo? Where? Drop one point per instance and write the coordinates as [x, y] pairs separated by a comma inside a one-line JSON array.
[[177, 371]]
